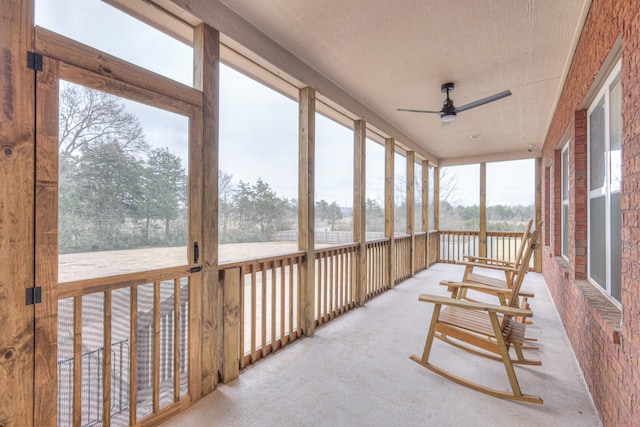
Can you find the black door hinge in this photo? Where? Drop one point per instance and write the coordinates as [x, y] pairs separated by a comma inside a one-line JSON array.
[[34, 295], [195, 269], [34, 61]]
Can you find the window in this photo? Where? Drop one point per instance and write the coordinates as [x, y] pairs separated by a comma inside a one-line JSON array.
[[510, 194], [93, 22], [431, 210], [565, 202], [123, 185], [258, 177], [400, 194], [417, 203], [460, 197], [333, 182], [375, 164], [604, 123]]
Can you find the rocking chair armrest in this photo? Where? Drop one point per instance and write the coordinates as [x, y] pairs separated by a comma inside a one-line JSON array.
[[506, 268], [477, 287], [486, 288], [485, 260], [471, 305]]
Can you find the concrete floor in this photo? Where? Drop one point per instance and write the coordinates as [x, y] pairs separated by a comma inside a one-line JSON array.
[[356, 371]]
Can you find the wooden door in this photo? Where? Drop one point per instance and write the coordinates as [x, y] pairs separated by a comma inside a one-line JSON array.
[[117, 237]]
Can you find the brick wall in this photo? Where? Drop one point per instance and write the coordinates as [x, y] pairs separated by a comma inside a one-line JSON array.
[[607, 348]]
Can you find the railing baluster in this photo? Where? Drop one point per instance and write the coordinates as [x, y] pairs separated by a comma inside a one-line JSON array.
[[106, 367], [241, 315], [176, 340], [156, 347], [263, 309], [133, 356], [274, 306], [253, 313]]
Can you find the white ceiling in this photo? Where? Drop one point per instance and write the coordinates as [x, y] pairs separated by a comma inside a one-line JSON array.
[[396, 53]]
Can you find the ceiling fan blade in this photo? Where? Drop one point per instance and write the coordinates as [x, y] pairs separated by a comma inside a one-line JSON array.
[[483, 101], [418, 111]]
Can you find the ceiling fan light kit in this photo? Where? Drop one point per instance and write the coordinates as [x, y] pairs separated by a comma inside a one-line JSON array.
[[449, 112]]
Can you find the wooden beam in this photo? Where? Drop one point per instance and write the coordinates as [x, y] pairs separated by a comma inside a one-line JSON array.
[[537, 254], [206, 78], [231, 283], [411, 179], [436, 206], [483, 210], [46, 241], [425, 209], [389, 205], [360, 208], [306, 217], [16, 214]]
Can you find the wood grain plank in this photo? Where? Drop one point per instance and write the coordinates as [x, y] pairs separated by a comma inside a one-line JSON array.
[[231, 357], [133, 356], [176, 339], [46, 244], [206, 78], [75, 53], [389, 214], [77, 361], [17, 172], [156, 347], [106, 367]]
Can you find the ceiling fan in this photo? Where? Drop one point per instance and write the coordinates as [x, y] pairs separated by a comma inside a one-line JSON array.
[[449, 111]]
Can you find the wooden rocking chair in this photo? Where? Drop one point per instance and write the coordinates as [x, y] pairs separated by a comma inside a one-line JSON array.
[[472, 262], [512, 271], [487, 330]]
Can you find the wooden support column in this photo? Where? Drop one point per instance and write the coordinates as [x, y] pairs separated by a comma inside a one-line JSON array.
[[537, 254], [206, 78], [436, 206], [231, 282], [17, 86], [411, 179], [306, 214], [483, 210], [389, 211], [46, 242], [425, 209], [360, 208]]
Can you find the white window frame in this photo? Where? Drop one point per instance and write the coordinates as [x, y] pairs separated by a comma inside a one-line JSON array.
[[607, 189], [564, 203]]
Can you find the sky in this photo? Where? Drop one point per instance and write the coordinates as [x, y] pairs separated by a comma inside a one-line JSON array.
[[258, 126]]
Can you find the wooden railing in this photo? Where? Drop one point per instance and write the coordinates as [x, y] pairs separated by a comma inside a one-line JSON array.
[[335, 281], [149, 312], [403, 258], [269, 312], [377, 255], [420, 251], [454, 245]]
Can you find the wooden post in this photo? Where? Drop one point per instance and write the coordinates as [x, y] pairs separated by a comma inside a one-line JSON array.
[[425, 209], [483, 210], [306, 217], [436, 206], [231, 282], [537, 260], [17, 86], [411, 176], [389, 214], [205, 355], [46, 241], [360, 208]]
